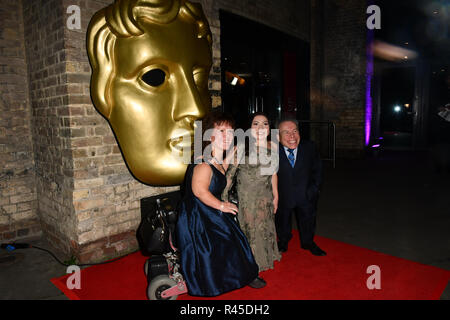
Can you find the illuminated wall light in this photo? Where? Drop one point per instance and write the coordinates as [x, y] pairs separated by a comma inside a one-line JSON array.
[[397, 109], [234, 79]]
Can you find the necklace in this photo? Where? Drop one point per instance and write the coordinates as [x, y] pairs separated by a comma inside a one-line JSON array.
[[219, 164]]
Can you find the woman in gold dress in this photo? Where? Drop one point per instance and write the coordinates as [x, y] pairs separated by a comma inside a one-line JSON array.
[[254, 173]]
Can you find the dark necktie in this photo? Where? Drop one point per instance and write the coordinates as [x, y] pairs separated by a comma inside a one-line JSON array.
[[291, 157]]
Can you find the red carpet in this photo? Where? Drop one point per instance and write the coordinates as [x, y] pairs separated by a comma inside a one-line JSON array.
[[341, 275]]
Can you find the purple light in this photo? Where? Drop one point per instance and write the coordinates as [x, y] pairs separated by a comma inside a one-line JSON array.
[[376, 146], [369, 75], [368, 120]]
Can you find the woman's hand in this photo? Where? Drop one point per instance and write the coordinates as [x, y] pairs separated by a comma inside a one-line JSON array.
[[229, 208], [275, 192], [275, 205]]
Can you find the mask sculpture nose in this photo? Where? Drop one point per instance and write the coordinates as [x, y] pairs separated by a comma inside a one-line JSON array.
[[189, 105]]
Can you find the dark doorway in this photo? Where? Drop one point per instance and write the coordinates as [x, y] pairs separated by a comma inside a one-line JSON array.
[[263, 70], [397, 107]]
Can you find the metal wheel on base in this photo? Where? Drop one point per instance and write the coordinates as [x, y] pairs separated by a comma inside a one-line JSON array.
[[158, 285]]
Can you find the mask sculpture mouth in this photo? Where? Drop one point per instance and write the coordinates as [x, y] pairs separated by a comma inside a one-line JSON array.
[[181, 147], [179, 143]]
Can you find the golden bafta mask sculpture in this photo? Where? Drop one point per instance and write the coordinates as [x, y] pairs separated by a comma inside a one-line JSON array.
[[150, 63]]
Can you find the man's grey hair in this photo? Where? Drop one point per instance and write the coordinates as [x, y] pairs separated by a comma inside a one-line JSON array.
[[287, 120]]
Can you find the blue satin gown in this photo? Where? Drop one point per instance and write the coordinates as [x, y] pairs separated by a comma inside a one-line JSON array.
[[215, 255]]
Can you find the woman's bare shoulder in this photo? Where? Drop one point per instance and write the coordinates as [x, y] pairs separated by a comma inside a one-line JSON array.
[[202, 168]]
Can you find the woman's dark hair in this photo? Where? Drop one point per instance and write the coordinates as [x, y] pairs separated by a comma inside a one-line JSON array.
[[254, 115], [251, 139], [215, 118]]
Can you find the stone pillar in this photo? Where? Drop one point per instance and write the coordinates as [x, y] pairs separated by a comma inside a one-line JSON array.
[[211, 10], [44, 25], [338, 67], [316, 71]]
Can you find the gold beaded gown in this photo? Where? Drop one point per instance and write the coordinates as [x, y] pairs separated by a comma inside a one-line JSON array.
[[253, 179]]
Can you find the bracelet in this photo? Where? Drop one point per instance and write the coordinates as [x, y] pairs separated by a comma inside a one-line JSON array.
[[221, 207]]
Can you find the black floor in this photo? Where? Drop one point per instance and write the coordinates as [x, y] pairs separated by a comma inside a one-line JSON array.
[[393, 203]]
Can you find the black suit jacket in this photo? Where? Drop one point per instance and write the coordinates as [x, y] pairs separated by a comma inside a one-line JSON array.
[[299, 186]]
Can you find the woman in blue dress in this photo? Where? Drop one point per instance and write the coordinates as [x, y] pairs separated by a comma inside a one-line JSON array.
[[215, 255]]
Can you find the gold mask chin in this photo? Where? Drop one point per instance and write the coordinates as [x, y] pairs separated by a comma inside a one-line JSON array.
[[150, 63]]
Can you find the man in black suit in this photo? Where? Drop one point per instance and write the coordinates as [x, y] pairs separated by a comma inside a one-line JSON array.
[[299, 181]]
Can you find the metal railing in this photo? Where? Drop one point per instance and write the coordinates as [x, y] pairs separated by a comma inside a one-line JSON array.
[[330, 139]]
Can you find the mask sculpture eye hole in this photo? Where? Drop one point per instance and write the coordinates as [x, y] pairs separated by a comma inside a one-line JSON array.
[[154, 78]]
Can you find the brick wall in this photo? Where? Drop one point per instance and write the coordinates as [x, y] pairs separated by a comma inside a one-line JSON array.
[[44, 38], [344, 77], [18, 217], [338, 66], [215, 86]]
